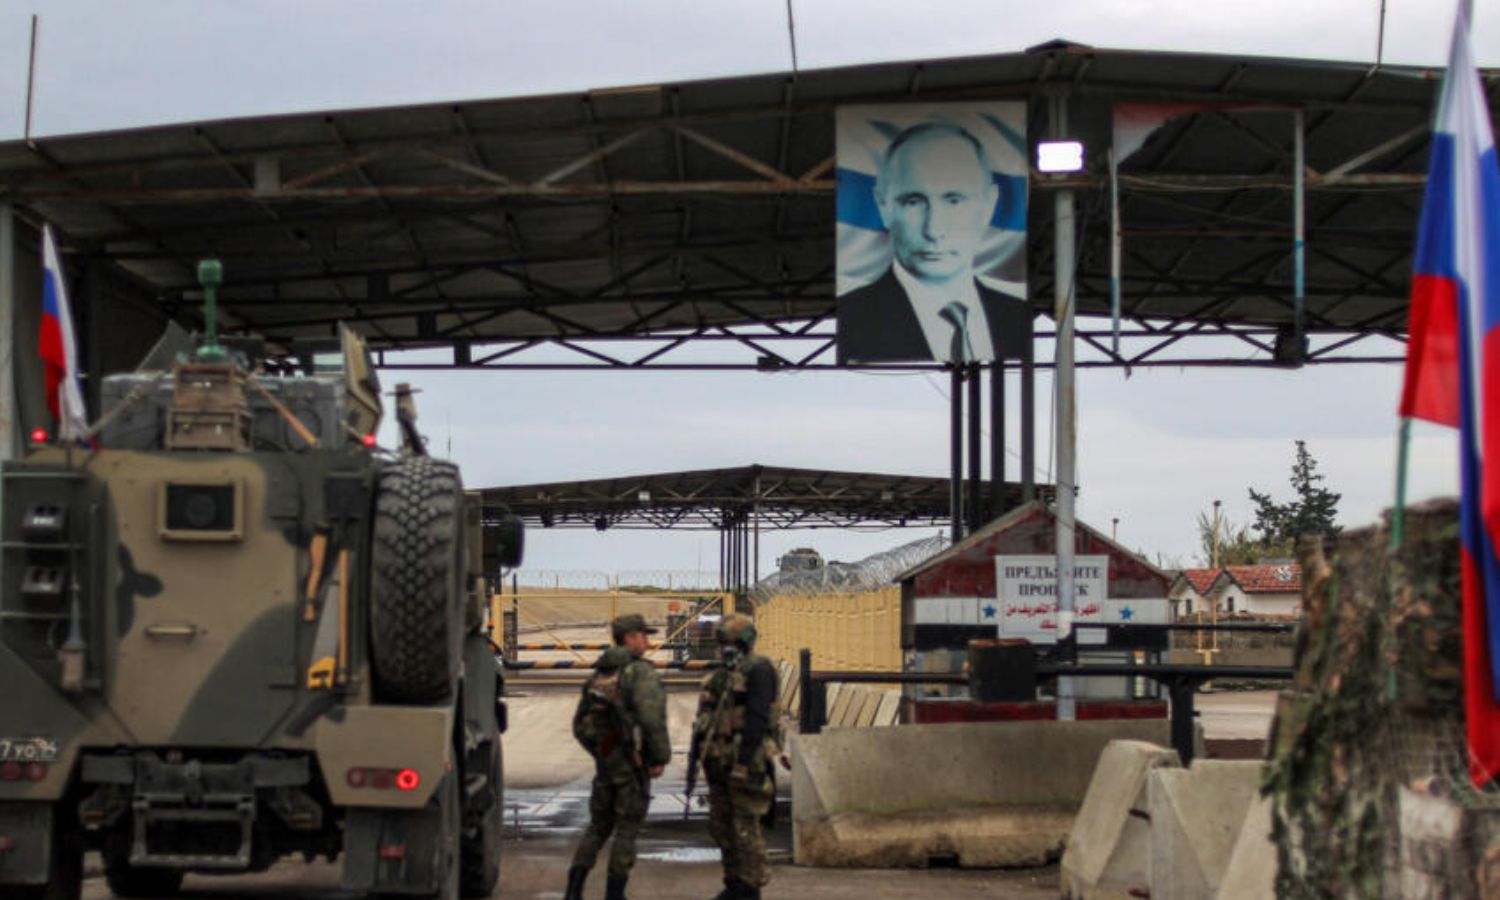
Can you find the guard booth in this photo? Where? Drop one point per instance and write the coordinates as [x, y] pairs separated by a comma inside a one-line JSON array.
[[1000, 582]]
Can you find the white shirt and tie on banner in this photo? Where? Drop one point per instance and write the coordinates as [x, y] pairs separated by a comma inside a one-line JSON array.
[[952, 319]]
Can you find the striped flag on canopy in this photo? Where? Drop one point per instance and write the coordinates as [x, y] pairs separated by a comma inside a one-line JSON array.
[[1453, 364], [57, 348]]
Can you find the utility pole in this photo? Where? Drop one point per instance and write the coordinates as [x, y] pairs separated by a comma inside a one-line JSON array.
[[1067, 424]]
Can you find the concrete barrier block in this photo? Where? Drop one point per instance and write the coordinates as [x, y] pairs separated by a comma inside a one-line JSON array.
[[1252, 866], [784, 681], [831, 696], [889, 711], [1109, 848], [1196, 817], [838, 710], [980, 794]]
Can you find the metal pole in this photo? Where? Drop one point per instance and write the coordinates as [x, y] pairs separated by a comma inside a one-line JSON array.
[[757, 529], [31, 80], [1299, 226], [1115, 251], [976, 461], [1180, 693], [734, 554], [1066, 421], [8, 413], [956, 451], [741, 552], [997, 439], [1028, 415]]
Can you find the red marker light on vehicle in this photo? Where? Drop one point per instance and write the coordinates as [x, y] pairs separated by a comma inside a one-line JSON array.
[[368, 440], [36, 771], [7, 844], [356, 778], [10, 771], [393, 851], [39, 435], [408, 779]]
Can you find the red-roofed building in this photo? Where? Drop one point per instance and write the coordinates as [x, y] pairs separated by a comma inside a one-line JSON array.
[[1189, 591], [1268, 589]]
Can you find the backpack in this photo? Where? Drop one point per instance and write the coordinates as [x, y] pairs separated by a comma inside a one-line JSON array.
[[602, 716]]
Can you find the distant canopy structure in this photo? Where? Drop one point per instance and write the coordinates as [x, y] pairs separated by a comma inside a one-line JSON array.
[[738, 503]]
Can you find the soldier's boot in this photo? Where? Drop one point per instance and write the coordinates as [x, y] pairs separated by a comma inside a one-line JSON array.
[[614, 889], [576, 877], [731, 889]]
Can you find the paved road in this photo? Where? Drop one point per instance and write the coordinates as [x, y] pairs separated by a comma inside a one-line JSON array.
[[678, 862], [546, 807]]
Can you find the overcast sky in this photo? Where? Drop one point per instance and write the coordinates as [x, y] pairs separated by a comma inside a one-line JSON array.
[[1154, 449]]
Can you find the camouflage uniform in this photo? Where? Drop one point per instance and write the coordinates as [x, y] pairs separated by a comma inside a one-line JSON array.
[[621, 789], [739, 725]]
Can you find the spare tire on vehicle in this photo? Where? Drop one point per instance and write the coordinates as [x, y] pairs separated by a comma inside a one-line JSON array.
[[416, 581]]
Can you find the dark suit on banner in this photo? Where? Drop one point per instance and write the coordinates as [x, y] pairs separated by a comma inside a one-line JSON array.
[[877, 323]]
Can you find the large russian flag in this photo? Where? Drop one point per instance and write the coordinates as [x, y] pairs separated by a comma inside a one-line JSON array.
[[57, 348], [1453, 364]]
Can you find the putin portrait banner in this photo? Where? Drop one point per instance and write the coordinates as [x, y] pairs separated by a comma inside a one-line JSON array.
[[932, 232]]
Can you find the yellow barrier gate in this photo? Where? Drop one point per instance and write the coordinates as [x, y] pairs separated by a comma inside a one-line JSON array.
[[553, 611]]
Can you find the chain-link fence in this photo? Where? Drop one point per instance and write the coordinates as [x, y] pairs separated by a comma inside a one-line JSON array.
[[871, 573], [642, 581]]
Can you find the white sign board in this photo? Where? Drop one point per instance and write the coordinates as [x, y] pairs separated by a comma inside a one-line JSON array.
[[1027, 599]]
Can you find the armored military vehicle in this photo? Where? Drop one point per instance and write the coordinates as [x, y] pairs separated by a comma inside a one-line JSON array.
[[233, 629]]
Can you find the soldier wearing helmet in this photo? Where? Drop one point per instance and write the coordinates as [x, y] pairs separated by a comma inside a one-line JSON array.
[[739, 726], [622, 721]]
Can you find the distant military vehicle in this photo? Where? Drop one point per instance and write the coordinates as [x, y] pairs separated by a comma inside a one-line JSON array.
[[802, 559], [233, 629]]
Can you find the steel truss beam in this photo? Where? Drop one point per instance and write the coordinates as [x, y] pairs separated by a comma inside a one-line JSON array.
[[1144, 344]]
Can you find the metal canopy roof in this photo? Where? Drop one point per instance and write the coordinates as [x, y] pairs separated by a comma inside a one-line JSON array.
[[721, 499], [704, 211]]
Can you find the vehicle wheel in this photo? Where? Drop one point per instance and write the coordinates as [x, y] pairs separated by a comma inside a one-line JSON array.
[[126, 880], [480, 852], [450, 800], [65, 874], [416, 581]]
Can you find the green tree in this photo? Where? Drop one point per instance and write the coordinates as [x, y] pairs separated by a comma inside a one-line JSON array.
[[1313, 511], [1237, 546]]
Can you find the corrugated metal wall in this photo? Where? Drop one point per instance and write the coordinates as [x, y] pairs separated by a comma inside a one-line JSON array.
[[851, 632]]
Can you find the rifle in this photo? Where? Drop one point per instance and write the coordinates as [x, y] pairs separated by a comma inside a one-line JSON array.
[[630, 741], [695, 750]]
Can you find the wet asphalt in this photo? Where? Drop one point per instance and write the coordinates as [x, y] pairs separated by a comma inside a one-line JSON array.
[[676, 857]]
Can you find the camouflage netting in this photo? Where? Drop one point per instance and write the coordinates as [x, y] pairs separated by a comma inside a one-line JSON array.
[[869, 573], [1368, 767]]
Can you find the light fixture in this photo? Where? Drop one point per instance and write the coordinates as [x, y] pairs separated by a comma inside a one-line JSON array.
[[1059, 156]]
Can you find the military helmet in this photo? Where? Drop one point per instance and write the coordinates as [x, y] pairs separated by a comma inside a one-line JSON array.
[[736, 629], [623, 625]]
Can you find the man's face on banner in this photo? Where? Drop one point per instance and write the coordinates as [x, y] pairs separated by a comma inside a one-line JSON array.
[[936, 199]]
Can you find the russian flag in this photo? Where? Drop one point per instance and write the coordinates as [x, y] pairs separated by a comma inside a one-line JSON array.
[[1453, 364], [57, 348]]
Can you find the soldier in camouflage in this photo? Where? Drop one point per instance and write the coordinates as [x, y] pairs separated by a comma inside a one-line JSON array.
[[622, 721], [739, 727]]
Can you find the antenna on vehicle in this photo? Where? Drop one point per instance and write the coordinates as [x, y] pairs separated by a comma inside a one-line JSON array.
[[210, 276]]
